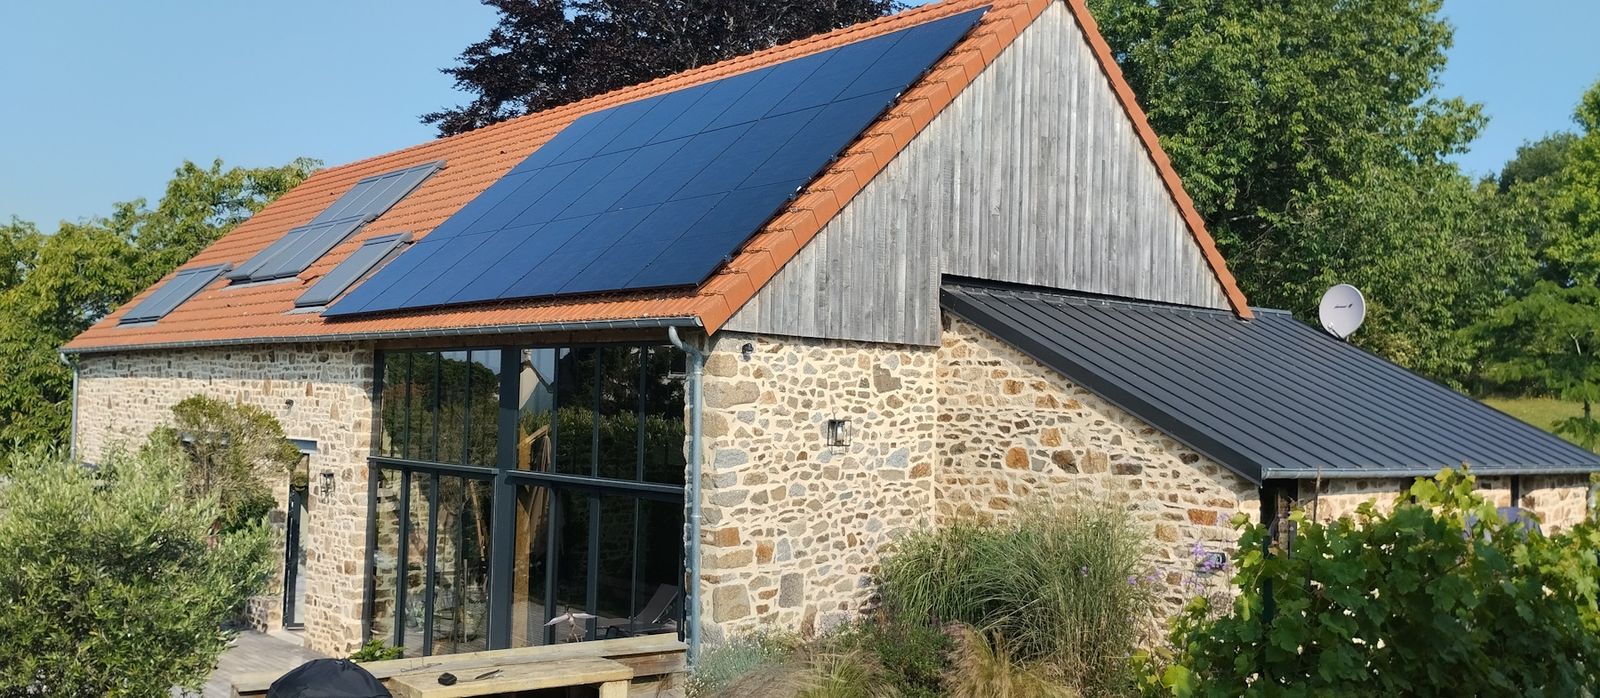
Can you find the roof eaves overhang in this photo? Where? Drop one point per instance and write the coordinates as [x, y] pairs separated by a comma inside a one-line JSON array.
[[466, 331], [1405, 472]]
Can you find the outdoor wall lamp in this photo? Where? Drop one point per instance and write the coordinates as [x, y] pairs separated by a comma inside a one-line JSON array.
[[326, 487], [837, 432]]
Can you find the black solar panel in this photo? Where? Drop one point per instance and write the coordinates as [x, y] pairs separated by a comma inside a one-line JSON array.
[[172, 294], [659, 192], [368, 199], [358, 264]]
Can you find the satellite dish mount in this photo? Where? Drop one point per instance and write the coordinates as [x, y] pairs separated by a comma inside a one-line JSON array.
[[1341, 311]]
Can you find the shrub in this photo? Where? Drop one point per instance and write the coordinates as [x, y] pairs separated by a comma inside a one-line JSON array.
[[376, 650], [233, 450], [1053, 582], [114, 583], [1439, 596]]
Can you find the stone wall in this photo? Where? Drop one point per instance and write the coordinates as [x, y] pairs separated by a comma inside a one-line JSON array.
[[793, 529], [320, 392], [1559, 500], [1013, 430]]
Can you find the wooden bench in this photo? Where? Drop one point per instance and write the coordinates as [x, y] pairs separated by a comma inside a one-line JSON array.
[[653, 659], [612, 678]]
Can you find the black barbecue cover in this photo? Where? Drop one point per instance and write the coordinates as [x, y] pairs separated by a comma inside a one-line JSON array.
[[328, 678]]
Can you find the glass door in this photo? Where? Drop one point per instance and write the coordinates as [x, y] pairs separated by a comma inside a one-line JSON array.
[[294, 561]]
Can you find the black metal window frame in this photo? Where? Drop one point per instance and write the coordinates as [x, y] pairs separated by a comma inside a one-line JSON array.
[[505, 479]]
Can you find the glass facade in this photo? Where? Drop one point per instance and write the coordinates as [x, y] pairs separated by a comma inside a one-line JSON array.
[[577, 453]]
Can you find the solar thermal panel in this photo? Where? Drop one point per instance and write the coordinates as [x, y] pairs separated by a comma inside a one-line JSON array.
[[369, 198], [358, 264], [172, 294]]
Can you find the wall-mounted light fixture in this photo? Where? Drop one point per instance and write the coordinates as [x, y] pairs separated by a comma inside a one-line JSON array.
[[326, 487], [837, 432]]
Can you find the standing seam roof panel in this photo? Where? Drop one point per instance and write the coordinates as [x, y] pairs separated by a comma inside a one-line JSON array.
[[1269, 397], [1180, 399]]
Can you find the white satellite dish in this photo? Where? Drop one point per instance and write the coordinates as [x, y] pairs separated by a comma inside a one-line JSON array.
[[1342, 309]]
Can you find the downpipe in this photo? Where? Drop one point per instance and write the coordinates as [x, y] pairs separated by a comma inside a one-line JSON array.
[[72, 426], [691, 530]]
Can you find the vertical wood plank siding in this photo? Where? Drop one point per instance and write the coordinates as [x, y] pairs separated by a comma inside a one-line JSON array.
[[1032, 175]]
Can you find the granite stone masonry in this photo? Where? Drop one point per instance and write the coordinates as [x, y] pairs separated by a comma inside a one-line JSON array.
[[320, 392], [794, 528], [1012, 430], [1559, 501]]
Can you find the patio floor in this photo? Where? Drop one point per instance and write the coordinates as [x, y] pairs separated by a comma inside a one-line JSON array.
[[254, 652]]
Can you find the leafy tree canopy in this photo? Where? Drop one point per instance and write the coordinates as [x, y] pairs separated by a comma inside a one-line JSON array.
[[1574, 253], [234, 451], [1313, 140], [53, 286], [545, 53], [1537, 160]]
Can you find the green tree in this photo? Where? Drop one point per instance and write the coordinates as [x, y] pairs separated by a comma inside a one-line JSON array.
[[1313, 141], [1546, 343], [114, 584], [1537, 160], [1440, 596], [1573, 251], [234, 452], [54, 286]]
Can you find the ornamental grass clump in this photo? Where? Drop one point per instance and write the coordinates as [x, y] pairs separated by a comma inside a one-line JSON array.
[[1052, 583]]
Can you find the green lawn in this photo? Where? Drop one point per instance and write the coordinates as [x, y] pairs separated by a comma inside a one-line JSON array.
[[1538, 411]]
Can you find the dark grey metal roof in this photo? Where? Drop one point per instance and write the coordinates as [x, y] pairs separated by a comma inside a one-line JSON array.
[[1268, 398]]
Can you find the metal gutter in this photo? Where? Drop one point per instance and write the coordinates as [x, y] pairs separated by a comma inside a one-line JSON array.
[[468, 331], [1355, 473], [72, 427], [691, 529]]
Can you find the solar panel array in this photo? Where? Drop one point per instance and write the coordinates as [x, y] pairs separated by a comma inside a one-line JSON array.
[[368, 199], [170, 295], [659, 192], [358, 264]]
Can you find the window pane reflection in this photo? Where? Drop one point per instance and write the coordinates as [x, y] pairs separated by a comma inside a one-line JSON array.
[[608, 414], [483, 407], [536, 396], [572, 572], [416, 567], [460, 606], [617, 411], [529, 566], [663, 416], [386, 556], [396, 384], [578, 382]]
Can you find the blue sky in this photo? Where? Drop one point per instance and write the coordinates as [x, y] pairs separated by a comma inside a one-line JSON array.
[[99, 101]]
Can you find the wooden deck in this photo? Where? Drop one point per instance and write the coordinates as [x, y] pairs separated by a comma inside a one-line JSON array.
[[657, 663]]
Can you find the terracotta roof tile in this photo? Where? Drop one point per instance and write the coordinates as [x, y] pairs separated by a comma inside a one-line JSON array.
[[262, 312]]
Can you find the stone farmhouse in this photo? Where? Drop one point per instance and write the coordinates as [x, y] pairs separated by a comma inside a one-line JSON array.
[[688, 355]]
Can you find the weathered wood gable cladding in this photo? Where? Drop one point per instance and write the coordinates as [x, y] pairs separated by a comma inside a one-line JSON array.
[[1034, 174]]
